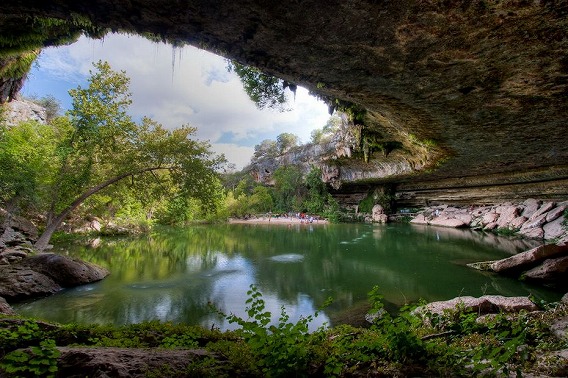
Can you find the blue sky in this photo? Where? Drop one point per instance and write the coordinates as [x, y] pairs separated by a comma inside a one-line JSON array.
[[176, 87]]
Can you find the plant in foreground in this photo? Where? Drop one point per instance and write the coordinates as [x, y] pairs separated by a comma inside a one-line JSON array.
[[280, 349], [38, 361]]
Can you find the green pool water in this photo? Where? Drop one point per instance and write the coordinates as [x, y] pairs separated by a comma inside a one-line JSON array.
[[177, 274]]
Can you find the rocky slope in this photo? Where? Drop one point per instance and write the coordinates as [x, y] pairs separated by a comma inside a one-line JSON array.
[[475, 92]]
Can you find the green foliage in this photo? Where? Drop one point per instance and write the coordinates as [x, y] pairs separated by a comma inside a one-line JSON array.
[[316, 199], [288, 188], [35, 33], [24, 332], [39, 361], [505, 231], [286, 141], [291, 192], [383, 196], [51, 104], [266, 149], [28, 155], [96, 148], [366, 204], [18, 65], [456, 343], [326, 133], [264, 90], [281, 349]]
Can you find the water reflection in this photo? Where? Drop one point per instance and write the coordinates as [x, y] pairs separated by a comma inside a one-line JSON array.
[[176, 274]]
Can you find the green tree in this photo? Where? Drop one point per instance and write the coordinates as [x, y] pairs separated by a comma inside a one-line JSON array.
[[264, 90], [261, 201], [27, 162], [103, 146], [316, 198], [285, 141], [266, 148], [324, 134], [288, 188]]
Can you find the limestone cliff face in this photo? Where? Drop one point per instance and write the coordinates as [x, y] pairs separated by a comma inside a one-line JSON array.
[[23, 110], [475, 92]]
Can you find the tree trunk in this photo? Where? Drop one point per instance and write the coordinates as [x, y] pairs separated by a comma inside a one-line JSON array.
[[43, 241]]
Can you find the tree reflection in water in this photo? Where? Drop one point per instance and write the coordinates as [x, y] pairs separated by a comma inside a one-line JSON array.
[[176, 274]]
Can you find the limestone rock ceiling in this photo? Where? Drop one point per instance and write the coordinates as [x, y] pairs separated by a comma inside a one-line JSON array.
[[475, 89]]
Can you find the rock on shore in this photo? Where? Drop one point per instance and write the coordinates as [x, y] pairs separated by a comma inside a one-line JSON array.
[[487, 304], [546, 264], [45, 274], [531, 219]]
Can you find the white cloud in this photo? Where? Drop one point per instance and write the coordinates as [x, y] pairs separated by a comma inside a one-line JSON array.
[[185, 86], [235, 154]]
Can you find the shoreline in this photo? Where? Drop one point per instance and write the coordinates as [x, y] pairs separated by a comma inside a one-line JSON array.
[[278, 221]]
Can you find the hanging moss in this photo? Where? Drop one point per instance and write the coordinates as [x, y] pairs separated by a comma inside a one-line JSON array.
[[17, 66]]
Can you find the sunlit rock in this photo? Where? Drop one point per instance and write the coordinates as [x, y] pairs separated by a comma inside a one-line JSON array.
[[528, 259], [378, 214], [482, 305], [531, 206]]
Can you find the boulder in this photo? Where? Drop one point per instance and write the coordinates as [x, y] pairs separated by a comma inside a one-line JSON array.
[[5, 308], [489, 218], [542, 210], [555, 213], [534, 222], [553, 271], [531, 206], [483, 305], [506, 215], [64, 270], [127, 362], [490, 226], [419, 219], [447, 222], [529, 259], [532, 233], [11, 255], [518, 222], [19, 283], [45, 274], [564, 299], [378, 214], [554, 229], [554, 364], [464, 217], [18, 224], [559, 328]]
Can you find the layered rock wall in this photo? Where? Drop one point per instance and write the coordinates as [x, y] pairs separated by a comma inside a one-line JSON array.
[[472, 91]]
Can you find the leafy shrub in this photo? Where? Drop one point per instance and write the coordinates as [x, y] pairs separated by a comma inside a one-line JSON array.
[[39, 361], [280, 349]]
